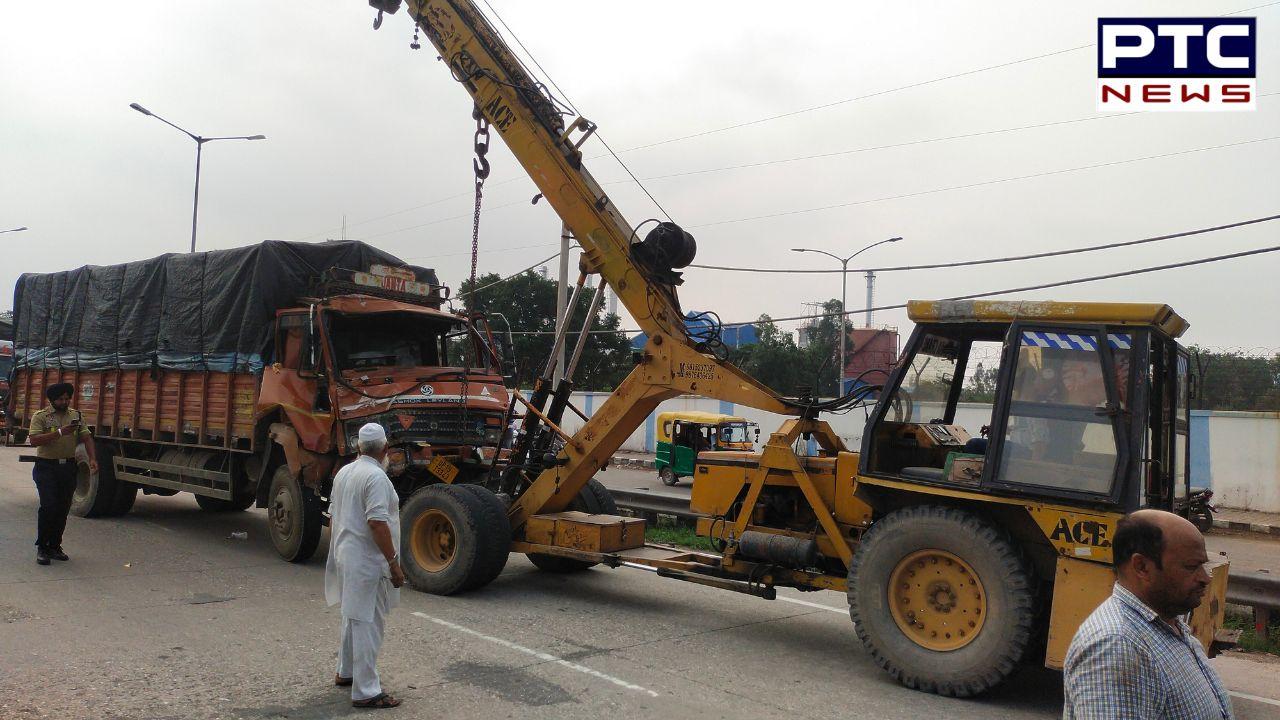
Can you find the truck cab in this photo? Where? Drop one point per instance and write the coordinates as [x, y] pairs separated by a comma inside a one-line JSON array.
[[430, 377]]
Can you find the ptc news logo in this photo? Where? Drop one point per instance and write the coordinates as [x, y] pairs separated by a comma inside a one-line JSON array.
[[1182, 64]]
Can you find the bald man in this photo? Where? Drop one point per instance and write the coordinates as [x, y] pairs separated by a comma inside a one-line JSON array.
[[1135, 658]]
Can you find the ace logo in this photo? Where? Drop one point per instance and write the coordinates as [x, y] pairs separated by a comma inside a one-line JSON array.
[[1183, 64]]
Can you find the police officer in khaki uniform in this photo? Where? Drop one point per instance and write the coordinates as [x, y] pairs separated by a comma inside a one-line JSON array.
[[55, 431]]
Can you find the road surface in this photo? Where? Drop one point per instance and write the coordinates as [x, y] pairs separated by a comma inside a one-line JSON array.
[[161, 614]]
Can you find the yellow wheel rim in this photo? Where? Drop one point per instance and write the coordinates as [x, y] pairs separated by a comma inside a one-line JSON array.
[[937, 600], [433, 541]]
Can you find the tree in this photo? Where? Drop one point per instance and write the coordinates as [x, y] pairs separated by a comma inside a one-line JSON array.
[[981, 386], [528, 302], [775, 359], [1235, 381]]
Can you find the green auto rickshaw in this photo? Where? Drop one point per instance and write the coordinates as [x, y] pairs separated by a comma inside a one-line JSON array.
[[682, 435]]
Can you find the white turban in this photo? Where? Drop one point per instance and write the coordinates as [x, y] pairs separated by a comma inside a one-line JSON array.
[[372, 433]]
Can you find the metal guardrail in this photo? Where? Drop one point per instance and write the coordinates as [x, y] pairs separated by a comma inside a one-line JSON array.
[[646, 503], [1258, 590]]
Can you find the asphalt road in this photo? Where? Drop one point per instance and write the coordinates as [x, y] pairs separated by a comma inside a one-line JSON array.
[[161, 615]]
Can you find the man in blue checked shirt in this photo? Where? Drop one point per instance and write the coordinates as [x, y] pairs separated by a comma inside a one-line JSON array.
[[1135, 658]]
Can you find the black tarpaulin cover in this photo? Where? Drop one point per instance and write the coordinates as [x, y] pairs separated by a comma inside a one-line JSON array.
[[198, 311]]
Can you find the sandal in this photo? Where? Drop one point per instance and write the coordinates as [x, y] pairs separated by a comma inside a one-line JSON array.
[[377, 702], [341, 681]]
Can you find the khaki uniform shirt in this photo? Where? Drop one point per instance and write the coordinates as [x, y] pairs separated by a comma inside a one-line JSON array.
[[48, 420]]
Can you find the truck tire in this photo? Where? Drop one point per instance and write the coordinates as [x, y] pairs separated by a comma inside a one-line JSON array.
[[218, 505], [593, 498], [126, 494], [293, 514], [444, 548], [953, 621], [496, 535], [95, 493]]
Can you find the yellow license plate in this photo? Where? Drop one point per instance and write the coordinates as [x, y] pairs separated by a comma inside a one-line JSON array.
[[442, 469]]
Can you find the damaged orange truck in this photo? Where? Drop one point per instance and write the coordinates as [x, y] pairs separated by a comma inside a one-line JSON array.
[[242, 376]]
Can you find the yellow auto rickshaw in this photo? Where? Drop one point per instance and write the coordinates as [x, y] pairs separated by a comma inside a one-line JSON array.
[[682, 435]]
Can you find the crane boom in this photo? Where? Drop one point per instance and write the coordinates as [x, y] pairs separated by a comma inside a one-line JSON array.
[[532, 125]]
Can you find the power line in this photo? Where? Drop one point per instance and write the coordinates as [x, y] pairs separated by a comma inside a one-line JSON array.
[[1007, 258], [990, 293], [597, 134], [513, 275], [879, 93], [1042, 286], [982, 183], [845, 101]]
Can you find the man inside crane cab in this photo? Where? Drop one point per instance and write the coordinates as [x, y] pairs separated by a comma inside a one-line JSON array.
[[1057, 430]]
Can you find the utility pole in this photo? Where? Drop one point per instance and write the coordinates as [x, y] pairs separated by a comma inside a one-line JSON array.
[[871, 294], [200, 141], [842, 338]]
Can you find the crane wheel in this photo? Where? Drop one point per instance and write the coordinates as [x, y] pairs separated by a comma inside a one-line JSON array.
[[451, 539], [942, 599], [593, 498]]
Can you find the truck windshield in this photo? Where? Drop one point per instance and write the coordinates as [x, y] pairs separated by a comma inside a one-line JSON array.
[[390, 340]]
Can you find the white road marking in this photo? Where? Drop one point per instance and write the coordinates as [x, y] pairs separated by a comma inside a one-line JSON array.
[[1255, 698], [545, 657], [820, 606]]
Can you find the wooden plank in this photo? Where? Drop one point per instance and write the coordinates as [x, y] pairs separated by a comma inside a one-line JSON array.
[[204, 407], [230, 416], [179, 414], [137, 403]]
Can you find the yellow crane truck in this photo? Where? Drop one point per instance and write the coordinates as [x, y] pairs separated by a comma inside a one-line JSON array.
[[961, 556]]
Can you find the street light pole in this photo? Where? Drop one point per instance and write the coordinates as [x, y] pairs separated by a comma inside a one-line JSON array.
[[844, 294], [200, 141]]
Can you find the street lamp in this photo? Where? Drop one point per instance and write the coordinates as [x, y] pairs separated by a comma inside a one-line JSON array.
[[844, 291], [200, 141], [20, 229]]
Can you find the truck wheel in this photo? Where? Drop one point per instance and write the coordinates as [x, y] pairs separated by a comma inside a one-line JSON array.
[[445, 548], [594, 498], [953, 621], [496, 535], [668, 476], [126, 494], [95, 493], [294, 517], [218, 505], [125, 491]]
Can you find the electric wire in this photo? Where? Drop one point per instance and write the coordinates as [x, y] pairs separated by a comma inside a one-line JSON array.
[[597, 135], [880, 93], [983, 183], [989, 293], [1041, 286], [1003, 259]]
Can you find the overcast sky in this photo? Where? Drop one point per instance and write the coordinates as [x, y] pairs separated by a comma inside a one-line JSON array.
[[359, 124]]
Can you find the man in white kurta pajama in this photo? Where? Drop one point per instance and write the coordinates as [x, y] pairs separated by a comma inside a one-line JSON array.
[[363, 571]]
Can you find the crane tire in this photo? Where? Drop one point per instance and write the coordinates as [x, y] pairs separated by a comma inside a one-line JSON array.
[[942, 599]]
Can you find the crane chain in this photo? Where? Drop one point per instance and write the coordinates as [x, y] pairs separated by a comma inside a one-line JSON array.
[[481, 166]]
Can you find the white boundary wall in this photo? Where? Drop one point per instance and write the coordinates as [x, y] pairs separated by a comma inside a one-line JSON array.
[[1235, 453]]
